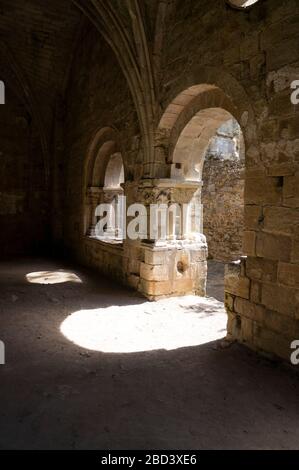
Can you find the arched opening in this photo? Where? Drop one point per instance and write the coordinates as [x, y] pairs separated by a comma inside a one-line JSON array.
[[114, 175], [223, 201], [103, 189], [113, 200], [223, 192], [202, 132], [210, 151]]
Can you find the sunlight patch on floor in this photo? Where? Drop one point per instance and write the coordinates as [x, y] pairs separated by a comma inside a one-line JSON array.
[[166, 324], [52, 277]]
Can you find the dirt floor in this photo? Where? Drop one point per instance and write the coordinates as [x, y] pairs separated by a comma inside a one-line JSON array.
[[90, 365]]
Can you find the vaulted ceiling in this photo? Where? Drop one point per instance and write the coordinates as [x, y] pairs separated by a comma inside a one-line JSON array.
[[38, 41], [39, 36]]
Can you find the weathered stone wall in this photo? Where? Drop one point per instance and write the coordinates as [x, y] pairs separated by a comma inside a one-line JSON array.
[[258, 51], [23, 199], [97, 97], [223, 194], [248, 59], [214, 60]]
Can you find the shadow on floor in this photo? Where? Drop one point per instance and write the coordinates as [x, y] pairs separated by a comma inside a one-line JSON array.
[[57, 395]]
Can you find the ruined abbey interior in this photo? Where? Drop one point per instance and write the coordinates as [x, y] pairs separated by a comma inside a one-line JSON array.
[[153, 332]]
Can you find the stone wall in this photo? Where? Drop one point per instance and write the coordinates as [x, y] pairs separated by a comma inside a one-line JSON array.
[[213, 56], [223, 193], [23, 199], [253, 56], [97, 98], [173, 71]]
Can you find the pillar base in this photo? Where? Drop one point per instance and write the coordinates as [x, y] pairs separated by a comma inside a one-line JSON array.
[[178, 268]]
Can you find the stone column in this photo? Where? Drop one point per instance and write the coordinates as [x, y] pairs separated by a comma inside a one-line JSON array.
[[115, 220], [172, 265], [119, 216], [94, 196]]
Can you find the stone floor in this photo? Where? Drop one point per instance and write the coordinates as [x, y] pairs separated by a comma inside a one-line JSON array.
[[90, 365]]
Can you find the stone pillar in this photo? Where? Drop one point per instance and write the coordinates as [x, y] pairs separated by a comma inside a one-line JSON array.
[[237, 296], [170, 265], [120, 217], [94, 196], [114, 229]]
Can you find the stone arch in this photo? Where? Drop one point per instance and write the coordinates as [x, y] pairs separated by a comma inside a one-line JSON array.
[[193, 142], [215, 89], [104, 143], [193, 111], [104, 162]]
